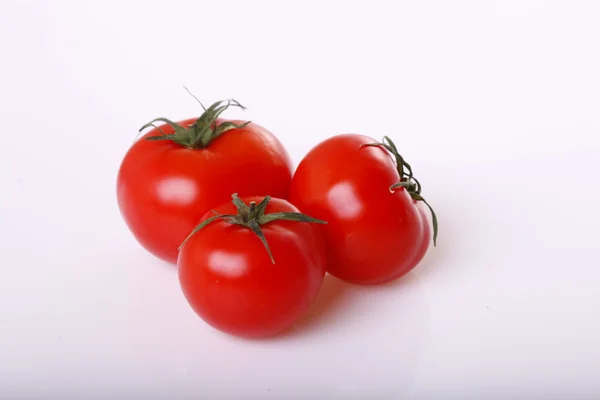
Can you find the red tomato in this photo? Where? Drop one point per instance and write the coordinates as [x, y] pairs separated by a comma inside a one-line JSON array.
[[164, 187], [376, 232], [230, 280]]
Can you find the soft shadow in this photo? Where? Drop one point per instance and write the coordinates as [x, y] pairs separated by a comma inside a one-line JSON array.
[[154, 260], [330, 300], [379, 325], [334, 297], [166, 265]]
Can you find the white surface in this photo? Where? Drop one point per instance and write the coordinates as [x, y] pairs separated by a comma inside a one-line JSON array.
[[496, 104]]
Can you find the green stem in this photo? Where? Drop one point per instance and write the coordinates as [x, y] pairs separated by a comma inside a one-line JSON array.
[[253, 216], [407, 179], [203, 130]]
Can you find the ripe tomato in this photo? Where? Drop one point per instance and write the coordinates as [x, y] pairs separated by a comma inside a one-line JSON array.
[[252, 272], [176, 172], [378, 226]]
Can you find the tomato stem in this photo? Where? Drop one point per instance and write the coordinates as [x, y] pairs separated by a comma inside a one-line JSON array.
[[407, 179], [253, 216], [204, 130]]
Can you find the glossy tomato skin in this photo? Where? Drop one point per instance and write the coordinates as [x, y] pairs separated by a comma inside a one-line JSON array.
[[164, 188], [373, 235], [229, 280]]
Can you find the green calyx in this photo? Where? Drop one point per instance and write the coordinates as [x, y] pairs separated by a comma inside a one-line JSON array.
[[199, 134], [407, 179], [253, 216]]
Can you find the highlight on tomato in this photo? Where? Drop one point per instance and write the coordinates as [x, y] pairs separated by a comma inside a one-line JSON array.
[[379, 224], [253, 266], [177, 171]]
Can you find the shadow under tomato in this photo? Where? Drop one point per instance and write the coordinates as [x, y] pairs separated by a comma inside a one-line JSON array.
[[166, 265], [330, 300], [333, 299]]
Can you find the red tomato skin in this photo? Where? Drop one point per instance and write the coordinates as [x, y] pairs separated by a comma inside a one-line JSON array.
[[373, 235], [228, 279], [163, 188]]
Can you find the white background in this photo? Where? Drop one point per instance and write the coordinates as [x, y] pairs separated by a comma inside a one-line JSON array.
[[495, 103]]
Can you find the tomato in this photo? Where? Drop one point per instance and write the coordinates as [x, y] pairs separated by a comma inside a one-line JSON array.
[[378, 222], [252, 271], [176, 172]]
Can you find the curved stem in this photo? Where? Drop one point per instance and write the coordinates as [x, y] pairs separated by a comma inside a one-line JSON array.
[[289, 216], [434, 220], [204, 223], [418, 185], [258, 232], [204, 129], [197, 99], [172, 124], [407, 180]]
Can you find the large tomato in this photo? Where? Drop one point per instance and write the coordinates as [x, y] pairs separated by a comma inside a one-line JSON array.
[[378, 223], [252, 269], [176, 172]]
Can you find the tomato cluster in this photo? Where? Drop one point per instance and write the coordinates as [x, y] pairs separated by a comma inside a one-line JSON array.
[[251, 237]]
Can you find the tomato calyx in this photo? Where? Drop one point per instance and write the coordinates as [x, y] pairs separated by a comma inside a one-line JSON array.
[[199, 134], [252, 216], [407, 179]]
